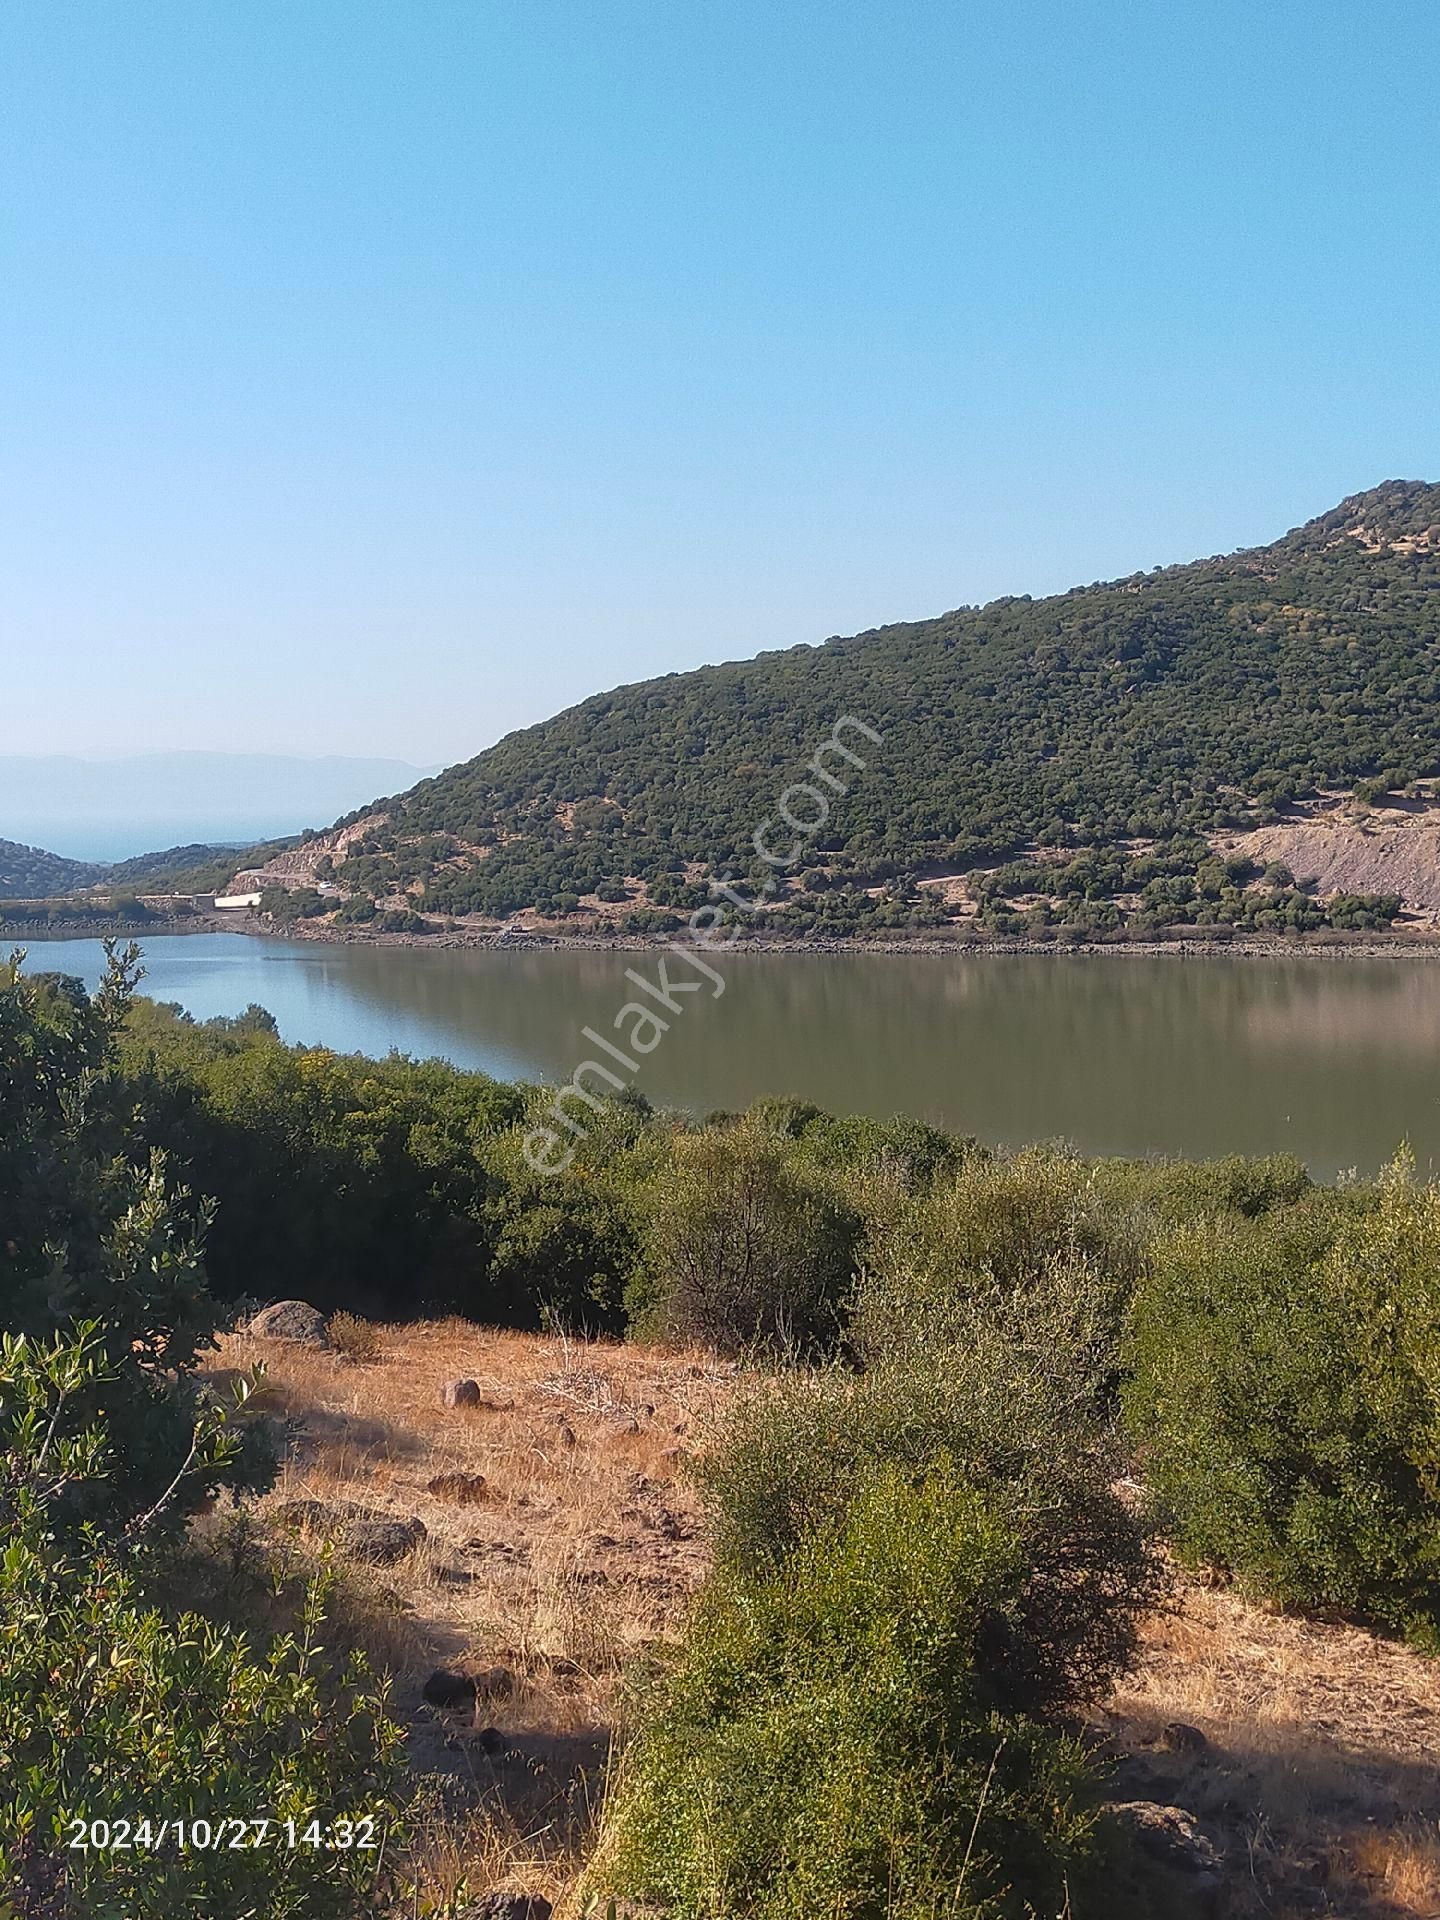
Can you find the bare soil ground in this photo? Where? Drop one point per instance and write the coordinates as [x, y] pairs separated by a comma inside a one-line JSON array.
[[1393, 847], [1319, 1772]]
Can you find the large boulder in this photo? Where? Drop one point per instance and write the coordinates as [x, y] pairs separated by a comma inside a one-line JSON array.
[[293, 1320]]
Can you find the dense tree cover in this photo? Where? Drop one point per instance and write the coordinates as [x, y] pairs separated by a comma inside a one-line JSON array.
[[1155, 709], [380, 1185], [195, 868], [26, 873]]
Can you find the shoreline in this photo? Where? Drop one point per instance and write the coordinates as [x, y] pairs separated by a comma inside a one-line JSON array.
[[1199, 945]]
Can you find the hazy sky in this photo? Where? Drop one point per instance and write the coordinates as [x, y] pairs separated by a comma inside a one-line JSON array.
[[379, 375]]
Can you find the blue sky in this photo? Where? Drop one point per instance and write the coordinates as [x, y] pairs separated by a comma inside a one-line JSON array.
[[382, 375]]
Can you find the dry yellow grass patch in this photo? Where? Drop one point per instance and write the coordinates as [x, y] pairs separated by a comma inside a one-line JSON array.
[[1322, 1769], [580, 1550]]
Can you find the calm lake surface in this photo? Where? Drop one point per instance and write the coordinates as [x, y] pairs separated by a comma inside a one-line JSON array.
[[1335, 1060]]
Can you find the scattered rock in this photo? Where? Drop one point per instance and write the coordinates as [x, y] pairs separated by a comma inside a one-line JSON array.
[[460, 1393], [627, 1425], [507, 1906], [1172, 1836], [512, 1553], [492, 1741], [1180, 1737], [377, 1538], [460, 1489], [453, 1692], [380, 1541], [291, 1320]]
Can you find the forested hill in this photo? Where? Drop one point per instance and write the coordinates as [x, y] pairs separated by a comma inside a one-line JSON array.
[[1137, 717], [26, 873]]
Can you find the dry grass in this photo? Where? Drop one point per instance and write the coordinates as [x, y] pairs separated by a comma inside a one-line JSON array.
[[1322, 1765], [1321, 1772], [581, 1550]]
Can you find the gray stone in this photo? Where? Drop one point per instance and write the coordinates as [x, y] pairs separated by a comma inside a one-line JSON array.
[[1172, 1836], [291, 1320], [460, 1393]]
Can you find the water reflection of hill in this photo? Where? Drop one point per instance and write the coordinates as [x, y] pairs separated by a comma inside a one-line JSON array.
[[1334, 1060]]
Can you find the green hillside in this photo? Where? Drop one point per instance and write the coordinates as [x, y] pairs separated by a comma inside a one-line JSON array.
[[1120, 723], [26, 873]]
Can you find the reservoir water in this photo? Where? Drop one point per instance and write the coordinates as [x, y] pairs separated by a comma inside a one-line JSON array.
[[1337, 1060]]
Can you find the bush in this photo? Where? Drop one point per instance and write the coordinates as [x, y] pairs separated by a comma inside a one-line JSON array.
[[111, 1711], [829, 1738], [1010, 1395], [1167, 1192], [94, 1230], [914, 1152], [357, 1339], [1285, 1391], [746, 1244], [1003, 1228]]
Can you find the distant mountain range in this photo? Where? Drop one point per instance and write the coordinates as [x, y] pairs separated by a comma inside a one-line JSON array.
[[98, 812]]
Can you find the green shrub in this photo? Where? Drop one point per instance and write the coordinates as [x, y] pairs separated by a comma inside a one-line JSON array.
[[1285, 1391], [1177, 1190], [915, 1152], [746, 1244], [93, 1229], [829, 1738], [110, 1711], [1011, 1396], [1004, 1224]]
